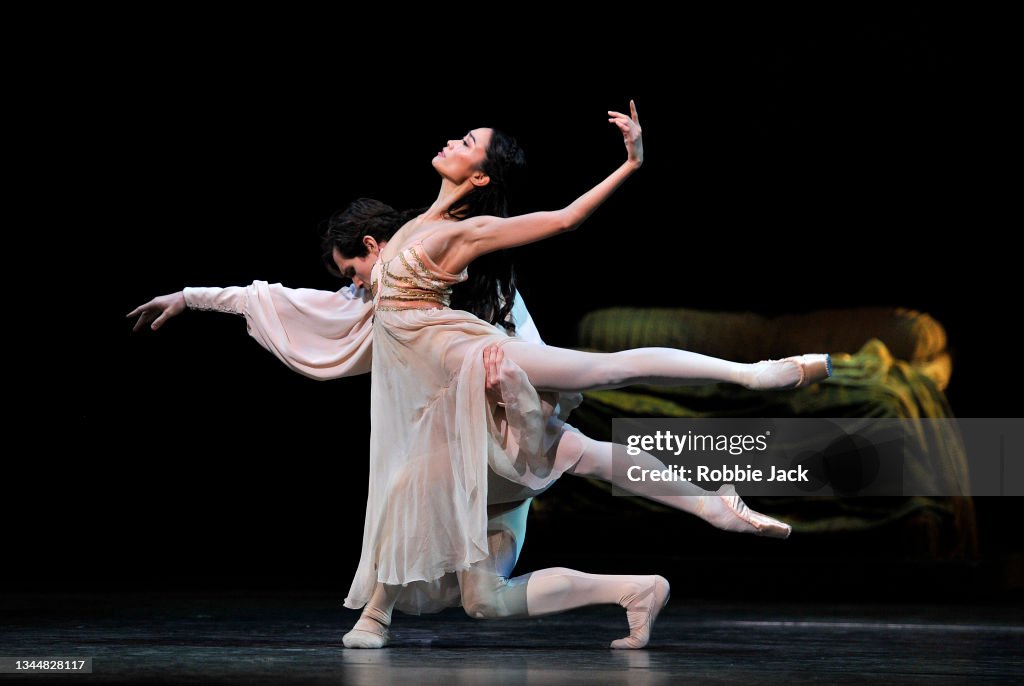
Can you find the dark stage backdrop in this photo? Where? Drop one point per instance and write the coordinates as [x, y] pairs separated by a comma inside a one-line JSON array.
[[792, 164]]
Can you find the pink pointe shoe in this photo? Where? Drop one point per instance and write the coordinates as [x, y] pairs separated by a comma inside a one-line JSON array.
[[750, 520], [790, 373]]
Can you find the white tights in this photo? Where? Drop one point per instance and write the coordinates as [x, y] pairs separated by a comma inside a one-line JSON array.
[[559, 369], [490, 592], [596, 462]]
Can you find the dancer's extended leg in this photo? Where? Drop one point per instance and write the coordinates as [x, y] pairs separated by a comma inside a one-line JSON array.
[[488, 592], [559, 369], [723, 510]]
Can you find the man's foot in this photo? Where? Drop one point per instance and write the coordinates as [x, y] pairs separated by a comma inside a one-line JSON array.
[[641, 611]]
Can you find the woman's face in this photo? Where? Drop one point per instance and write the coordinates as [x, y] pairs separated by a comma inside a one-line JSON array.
[[463, 157]]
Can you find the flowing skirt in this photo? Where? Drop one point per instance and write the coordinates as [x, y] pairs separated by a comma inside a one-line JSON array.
[[441, 451]]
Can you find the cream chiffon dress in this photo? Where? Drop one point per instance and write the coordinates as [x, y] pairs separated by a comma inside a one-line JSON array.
[[441, 450]]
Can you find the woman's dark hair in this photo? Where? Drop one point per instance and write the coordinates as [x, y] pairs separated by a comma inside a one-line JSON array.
[[489, 291]]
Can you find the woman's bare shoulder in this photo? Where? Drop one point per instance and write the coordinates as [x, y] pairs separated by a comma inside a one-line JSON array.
[[439, 233]]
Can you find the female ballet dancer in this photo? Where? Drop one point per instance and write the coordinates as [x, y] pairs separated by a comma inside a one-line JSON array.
[[563, 588]]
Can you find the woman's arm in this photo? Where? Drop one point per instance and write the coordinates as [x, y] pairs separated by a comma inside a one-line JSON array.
[[455, 248]]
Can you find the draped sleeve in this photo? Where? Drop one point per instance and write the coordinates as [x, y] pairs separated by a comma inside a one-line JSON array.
[[320, 334], [525, 328]]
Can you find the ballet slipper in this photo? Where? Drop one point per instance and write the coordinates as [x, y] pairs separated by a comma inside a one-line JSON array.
[[790, 373], [641, 611], [357, 638], [750, 521], [369, 632]]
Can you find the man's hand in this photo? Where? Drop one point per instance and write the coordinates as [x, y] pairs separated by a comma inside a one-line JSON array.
[[493, 357], [158, 310]]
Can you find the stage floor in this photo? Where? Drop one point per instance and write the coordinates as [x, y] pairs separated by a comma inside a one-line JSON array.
[[279, 637]]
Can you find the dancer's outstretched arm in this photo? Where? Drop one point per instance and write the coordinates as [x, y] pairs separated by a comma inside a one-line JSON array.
[[454, 248], [320, 334]]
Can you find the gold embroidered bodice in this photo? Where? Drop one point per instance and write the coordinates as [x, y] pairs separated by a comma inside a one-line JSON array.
[[411, 280]]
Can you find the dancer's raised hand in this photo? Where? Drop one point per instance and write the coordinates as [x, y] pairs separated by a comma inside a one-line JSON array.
[[158, 310], [459, 244], [630, 127]]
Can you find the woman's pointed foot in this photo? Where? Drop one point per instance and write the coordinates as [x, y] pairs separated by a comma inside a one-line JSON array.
[[789, 373], [641, 611], [813, 368], [739, 517]]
